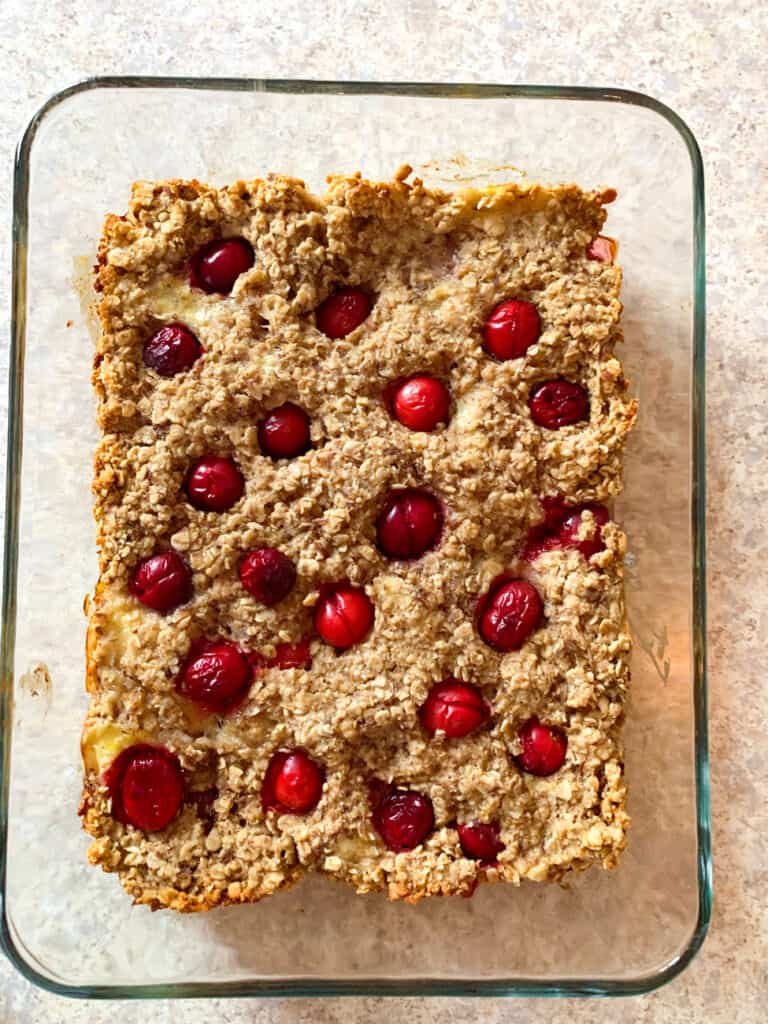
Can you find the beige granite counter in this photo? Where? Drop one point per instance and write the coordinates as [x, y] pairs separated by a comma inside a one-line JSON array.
[[704, 58]]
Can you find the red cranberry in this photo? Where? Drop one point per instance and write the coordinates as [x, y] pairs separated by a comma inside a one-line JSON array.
[[293, 655], [286, 655], [543, 536], [511, 329], [602, 249], [171, 350], [268, 575], [509, 614], [284, 432], [558, 403], [409, 523], [162, 582], [555, 512], [342, 312], [403, 819], [453, 708], [293, 783], [570, 529], [216, 676], [421, 402], [544, 748], [480, 841], [217, 266], [344, 616], [146, 786], [214, 484]]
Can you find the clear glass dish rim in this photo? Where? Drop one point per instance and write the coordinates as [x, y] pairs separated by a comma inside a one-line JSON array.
[[372, 986]]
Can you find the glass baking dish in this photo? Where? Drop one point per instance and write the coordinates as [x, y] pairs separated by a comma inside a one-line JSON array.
[[69, 927]]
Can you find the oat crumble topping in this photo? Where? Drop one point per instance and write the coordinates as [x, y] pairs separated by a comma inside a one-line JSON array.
[[434, 265]]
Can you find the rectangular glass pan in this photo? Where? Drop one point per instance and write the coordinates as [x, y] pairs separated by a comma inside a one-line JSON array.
[[69, 927]]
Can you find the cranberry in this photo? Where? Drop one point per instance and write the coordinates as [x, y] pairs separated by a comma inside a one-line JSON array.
[[555, 512], [293, 783], [558, 403], [293, 655], [536, 546], [480, 841], [570, 529], [214, 484], [409, 523], [286, 655], [421, 402], [602, 249], [284, 432], [544, 748], [217, 266], [543, 536], [146, 786], [509, 614], [268, 575], [162, 582], [344, 616], [216, 676], [403, 819], [561, 527], [453, 708], [171, 350], [511, 329], [343, 311]]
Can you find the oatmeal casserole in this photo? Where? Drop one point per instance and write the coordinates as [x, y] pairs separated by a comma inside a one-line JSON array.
[[360, 606]]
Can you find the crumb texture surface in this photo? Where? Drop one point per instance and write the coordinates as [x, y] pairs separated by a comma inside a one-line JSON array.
[[435, 264]]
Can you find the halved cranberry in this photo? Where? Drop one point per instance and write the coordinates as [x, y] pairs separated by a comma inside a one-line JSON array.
[[146, 786], [217, 266], [403, 819], [171, 350], [453, 708], [216, 676], [162, 581], [602, 249], [409, 523], [480, 841], [508, 614], [284, 432], [421, 402], [544, 748], [293, 783], [343, 311], [511, 329], [268, 575], [571, 527], [558, 403], [344, 616], [214, 484]]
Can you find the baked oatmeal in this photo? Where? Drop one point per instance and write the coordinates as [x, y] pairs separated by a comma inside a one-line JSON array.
[[360, 607]]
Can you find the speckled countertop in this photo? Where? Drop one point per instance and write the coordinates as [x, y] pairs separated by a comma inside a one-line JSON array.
[[704, 58]]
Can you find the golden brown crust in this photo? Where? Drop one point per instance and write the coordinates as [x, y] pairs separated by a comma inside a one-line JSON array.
[[437, 263]]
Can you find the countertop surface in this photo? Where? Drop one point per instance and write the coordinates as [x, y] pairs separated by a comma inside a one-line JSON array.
[[704, 58]]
